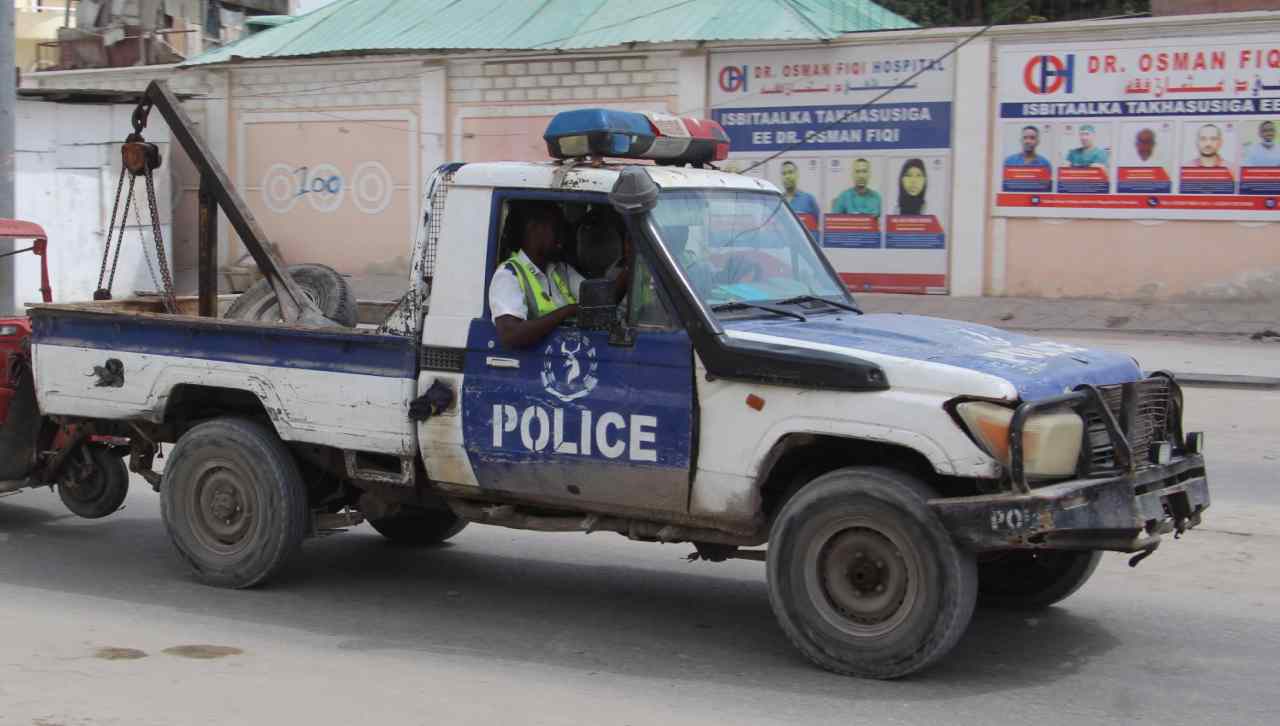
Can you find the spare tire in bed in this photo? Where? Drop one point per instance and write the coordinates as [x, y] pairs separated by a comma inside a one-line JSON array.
[[322, 284]]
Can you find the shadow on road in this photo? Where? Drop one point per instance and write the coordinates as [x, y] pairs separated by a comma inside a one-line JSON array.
[[529, 598]]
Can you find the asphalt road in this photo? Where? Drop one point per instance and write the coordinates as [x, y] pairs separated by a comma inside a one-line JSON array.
[[506, 627]]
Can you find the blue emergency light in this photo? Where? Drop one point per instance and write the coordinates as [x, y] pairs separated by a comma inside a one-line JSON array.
[[663, 138]]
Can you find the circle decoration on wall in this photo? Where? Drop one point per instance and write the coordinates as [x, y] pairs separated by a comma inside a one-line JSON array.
[[371, 187], [278, 188]]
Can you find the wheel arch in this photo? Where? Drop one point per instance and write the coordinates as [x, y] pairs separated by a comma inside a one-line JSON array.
[[187, 404], [799, 457]]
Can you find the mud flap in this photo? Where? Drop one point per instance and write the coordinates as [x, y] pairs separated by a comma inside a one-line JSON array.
[[21, 427]]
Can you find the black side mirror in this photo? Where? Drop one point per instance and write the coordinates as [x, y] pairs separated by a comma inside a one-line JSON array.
[[596, 307]]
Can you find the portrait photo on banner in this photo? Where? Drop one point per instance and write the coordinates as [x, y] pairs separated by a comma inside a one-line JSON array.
[[916, 198], [1027, 149], [855, 200]]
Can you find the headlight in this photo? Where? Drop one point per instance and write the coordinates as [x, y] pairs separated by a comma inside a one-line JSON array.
[[8, 331], [1050, 441]]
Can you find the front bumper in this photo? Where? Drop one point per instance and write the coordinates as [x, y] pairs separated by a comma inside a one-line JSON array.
[[1124, 513]]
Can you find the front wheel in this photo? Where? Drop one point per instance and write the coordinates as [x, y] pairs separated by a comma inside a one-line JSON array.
[[863, 577], [233, 502], [1033, 580]]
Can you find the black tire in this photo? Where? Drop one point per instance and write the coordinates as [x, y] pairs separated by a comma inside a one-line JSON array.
[[864, 579], [326, 288], [233, 502], [418, 527], [1033, 580], [95, 484]]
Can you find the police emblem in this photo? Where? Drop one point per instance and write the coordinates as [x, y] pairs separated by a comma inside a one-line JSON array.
[[569, 366]]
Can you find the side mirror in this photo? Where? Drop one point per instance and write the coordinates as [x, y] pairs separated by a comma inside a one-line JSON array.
[[596, 307]]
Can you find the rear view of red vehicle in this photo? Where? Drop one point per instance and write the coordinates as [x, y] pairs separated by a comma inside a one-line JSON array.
[[86, 466]]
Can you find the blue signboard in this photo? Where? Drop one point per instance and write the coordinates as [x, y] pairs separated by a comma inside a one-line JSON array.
[[922, 125]]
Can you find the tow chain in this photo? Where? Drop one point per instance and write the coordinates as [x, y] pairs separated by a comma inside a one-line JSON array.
[[170, 302], [106, 249], [138, 159], [151, 265]]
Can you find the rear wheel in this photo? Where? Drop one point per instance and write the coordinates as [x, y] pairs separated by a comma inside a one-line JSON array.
[[419, 526], [233, 502], [863, 577], [95, 483], [1033, 580]]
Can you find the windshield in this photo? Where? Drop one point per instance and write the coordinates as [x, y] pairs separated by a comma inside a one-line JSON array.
[[741, 247]]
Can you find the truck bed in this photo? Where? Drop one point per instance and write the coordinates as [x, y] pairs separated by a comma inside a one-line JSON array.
[[347, 388]]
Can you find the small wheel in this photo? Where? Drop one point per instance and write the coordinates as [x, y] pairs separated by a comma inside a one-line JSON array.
[[233, 502], [863, 577], [419, 526], [95, 483], [323, 285], [1033, 580]]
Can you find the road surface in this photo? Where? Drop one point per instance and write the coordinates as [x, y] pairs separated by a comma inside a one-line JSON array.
[[100, 624]]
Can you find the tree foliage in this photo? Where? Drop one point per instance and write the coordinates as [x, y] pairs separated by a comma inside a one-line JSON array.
[[981, 12]]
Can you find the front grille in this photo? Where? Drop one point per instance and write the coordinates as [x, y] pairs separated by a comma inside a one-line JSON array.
[[1144, 420]]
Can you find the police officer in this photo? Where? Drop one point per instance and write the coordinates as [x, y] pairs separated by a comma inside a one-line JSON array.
[[532, 292]]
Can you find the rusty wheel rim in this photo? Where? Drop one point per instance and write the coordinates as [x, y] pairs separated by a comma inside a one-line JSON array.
[[82, 480], [863, 579], [223, 507]]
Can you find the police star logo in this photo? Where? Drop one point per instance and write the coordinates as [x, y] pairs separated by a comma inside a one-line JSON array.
[[569, 367]]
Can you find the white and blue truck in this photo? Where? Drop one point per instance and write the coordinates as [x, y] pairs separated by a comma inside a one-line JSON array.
[[891, 471]]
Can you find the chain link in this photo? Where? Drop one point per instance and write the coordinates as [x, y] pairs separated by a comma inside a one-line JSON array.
[[111, 228], [151, 265], [170, 301], [161, 259], [124, 217]]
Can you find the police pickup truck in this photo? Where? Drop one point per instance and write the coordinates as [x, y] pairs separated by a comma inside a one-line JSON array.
[[899, 469]]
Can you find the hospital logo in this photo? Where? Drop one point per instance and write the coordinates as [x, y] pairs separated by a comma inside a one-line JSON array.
[[1046, 74], [733, 79], [569, 367]]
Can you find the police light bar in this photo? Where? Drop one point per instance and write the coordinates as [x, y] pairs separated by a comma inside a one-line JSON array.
[[662, 137]]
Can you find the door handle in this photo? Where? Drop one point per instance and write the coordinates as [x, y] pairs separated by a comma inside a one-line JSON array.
[[494, 361]]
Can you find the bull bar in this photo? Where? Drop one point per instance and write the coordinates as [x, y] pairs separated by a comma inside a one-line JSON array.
[[1125, 508]]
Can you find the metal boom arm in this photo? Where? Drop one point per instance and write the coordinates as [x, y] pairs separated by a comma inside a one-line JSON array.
[[215, 186]]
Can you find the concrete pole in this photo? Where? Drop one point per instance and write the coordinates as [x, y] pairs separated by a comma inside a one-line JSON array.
[[8, 140]]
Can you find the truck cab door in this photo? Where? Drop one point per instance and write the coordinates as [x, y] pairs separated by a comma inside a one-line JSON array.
[[583, 420]]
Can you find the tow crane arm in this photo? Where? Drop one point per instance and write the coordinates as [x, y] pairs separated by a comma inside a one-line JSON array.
[[216, 190]]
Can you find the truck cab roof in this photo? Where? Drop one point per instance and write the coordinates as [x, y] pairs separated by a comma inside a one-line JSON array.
[[585, 178]]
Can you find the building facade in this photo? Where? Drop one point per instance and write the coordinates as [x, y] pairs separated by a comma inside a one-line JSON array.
[[332, 153]]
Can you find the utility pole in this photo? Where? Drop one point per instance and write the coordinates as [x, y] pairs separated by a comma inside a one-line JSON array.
[[8, 140]]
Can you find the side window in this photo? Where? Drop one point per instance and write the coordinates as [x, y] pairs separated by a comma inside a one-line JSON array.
[[644, 307]]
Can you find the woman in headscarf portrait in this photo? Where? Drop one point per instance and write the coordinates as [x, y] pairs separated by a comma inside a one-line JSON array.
[[912, 184]]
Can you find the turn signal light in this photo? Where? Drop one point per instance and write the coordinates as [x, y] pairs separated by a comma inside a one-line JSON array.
[[1050, 441]]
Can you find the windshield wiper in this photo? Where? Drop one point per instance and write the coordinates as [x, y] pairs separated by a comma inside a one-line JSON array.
[[818, 298], [739, 304]]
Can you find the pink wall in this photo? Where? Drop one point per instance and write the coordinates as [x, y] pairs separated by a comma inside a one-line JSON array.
[[504, 139], [338, 193], [1125, 259]]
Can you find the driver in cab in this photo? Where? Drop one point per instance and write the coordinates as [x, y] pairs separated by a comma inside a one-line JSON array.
[[533, 291]]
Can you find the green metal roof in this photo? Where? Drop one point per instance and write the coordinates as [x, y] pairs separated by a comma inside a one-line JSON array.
[[366, 26], [269, 21]]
